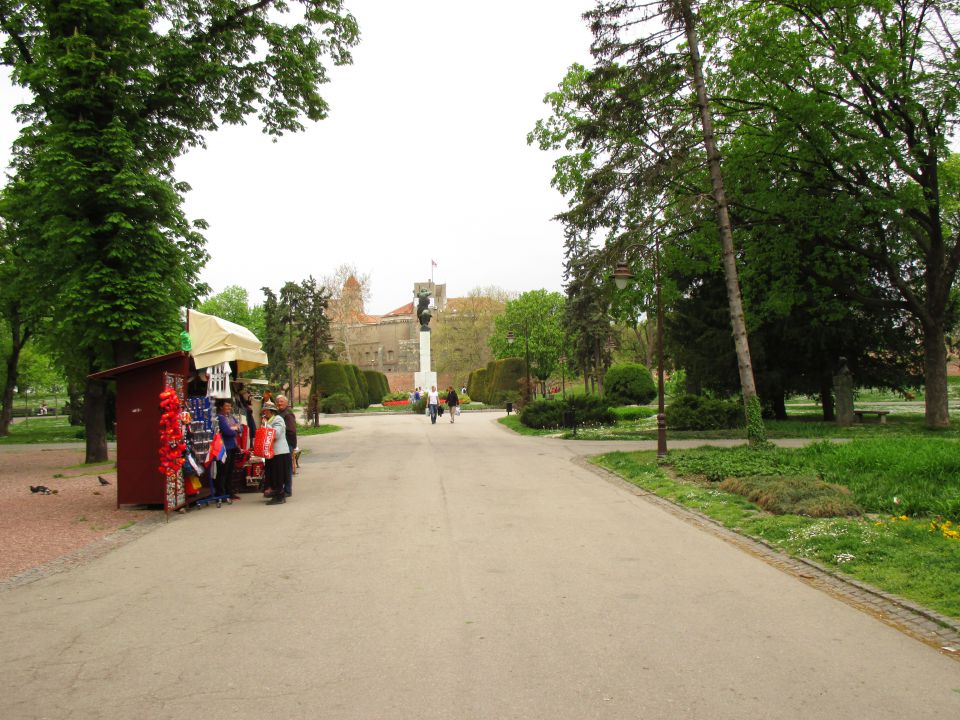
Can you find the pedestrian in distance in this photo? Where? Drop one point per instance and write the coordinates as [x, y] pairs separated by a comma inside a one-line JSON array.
[[453, 403], [433, 404], [276, 468]]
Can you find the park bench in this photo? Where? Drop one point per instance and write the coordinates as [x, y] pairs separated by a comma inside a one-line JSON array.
[[881, 415]]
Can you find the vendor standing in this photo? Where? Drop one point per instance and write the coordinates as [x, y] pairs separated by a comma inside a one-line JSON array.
[[229, 430], [277, 467]]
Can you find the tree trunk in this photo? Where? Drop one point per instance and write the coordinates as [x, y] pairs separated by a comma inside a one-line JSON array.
[[936, 400], [76, 404], [94, 420], [744, 364], [17, 340], [780, 405], [826, 398]]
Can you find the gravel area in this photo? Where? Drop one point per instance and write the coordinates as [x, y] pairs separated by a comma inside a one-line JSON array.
[[37, 529]]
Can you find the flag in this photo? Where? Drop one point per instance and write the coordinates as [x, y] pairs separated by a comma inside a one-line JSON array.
[[433, 263]]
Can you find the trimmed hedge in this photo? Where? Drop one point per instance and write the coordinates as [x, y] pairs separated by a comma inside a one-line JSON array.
[[337, 403], [699, 412], [331, 378], [377, 386], [360, 392], [478, 384], [505, 384], [629, 384]]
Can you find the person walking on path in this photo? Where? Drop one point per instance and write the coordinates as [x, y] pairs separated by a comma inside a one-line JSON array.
[[453, 402], [433, 403], [229, 429], [290, 420], [277, 467]]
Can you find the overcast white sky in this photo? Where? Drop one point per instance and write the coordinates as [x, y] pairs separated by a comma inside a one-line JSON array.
[[423, 157]]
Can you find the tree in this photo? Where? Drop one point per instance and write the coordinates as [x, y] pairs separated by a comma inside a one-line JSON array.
[[314, 326], [535, 321], [233, 304], [460, 334], [119, 91], [349, 292], [853, 104], [626, 127]]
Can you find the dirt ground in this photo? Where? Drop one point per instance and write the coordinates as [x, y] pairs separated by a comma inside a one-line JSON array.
[[35, 528]]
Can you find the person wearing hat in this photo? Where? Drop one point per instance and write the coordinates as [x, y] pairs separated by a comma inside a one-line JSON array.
[[277, 467]]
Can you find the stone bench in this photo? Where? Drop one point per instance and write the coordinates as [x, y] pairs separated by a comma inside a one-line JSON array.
[[881, 415]]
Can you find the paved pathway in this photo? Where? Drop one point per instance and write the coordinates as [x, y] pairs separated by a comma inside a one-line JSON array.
[[453, 572]]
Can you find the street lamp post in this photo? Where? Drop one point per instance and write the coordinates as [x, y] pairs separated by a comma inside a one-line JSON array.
[[563, 374], [526, 350], [621, 276]]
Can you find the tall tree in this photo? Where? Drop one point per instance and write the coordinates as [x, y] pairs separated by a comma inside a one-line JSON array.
[[853, 104], [534, 321], [460, 334], [627, 128], [119, 89], [349, 292]]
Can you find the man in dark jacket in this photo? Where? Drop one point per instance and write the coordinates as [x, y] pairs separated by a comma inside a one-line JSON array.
[[452, 402], [290, 419]]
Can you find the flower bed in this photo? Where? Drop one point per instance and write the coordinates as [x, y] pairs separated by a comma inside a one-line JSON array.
[[396, 402]]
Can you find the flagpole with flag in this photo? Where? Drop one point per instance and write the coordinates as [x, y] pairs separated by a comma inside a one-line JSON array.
[[433, 264]]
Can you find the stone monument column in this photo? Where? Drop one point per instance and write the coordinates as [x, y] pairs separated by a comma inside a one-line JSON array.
[[425, 378], [843, 393]]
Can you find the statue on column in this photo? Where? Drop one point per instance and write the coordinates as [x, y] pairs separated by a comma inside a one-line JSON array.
[[423, 311]]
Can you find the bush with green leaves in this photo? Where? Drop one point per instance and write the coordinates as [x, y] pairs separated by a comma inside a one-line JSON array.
[[420, 406], [399, 395], [331, 378], [702, 412], [634, 413], [358, 386], [377, 386], [588, 411], [337, 403], [628, 384], [477, 385]]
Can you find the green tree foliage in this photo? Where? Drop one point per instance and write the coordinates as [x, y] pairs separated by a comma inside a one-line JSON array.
[[628, 384], [119, 90], [333, 377], [359, 387], [232, 303], [535, 321], [845, 109], [377, 386], [477, 385]]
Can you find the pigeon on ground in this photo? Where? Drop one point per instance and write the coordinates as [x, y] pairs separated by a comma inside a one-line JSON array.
[[103, 481], [42, 489]]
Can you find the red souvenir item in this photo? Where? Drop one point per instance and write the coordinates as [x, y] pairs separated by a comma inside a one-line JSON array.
[[263, 442], [172, 445]]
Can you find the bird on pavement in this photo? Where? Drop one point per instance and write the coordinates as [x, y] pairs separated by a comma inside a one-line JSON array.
[[103, 481]]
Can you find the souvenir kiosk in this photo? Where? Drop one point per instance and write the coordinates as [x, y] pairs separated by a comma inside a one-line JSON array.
[[151, 397]]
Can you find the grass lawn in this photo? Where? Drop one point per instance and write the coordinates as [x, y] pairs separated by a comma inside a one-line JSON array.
[[907, 556], [322, 429], [48, 429]]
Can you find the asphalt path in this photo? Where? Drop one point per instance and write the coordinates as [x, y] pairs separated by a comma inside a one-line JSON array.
[[449, 571]]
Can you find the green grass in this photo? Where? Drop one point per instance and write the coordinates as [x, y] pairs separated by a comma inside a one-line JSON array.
[[322, 429], [896, 475], [43, 430], [886, 553]]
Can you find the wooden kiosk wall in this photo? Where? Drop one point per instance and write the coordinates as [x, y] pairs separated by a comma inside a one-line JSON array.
[[139, 480]]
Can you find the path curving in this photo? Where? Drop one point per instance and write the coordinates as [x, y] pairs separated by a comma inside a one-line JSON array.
[[449, 571]]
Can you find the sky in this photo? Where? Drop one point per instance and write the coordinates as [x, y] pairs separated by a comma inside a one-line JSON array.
[[422, 159]]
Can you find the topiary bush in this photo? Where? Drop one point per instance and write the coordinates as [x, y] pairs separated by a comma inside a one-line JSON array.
[[358, 386], [330, 379], [476, 387], [700, 412], [337, 403], [377, 386], [505, 383], [629, 384]]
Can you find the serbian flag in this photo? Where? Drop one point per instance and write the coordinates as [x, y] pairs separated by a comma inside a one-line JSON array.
[[217, 451]]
